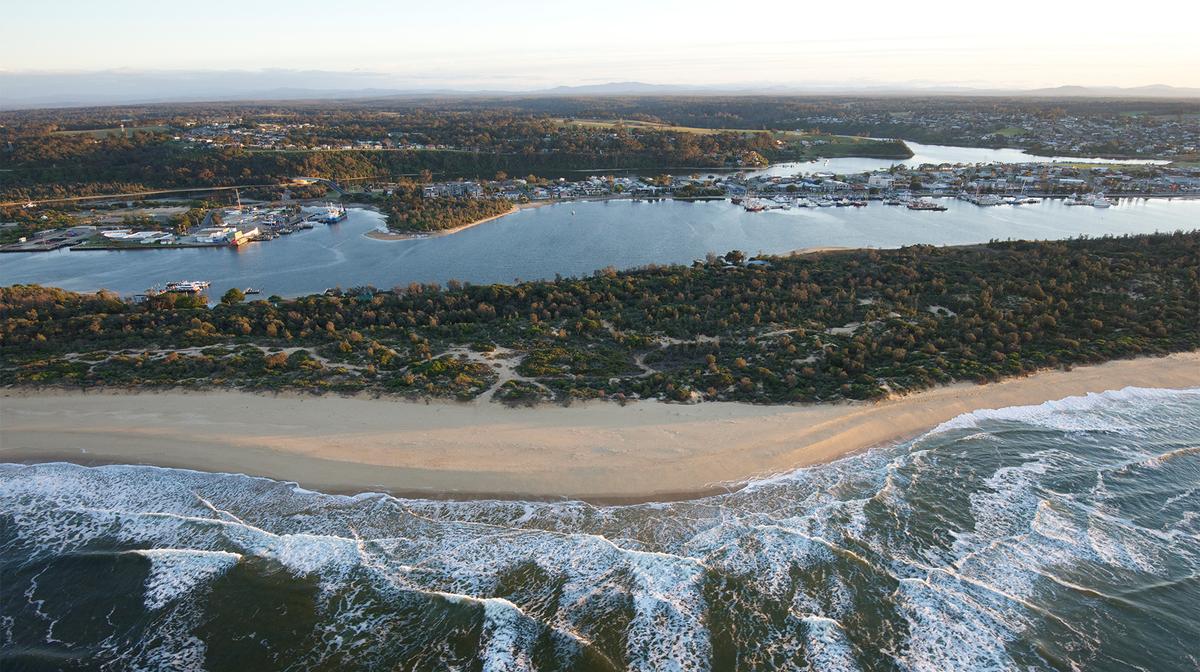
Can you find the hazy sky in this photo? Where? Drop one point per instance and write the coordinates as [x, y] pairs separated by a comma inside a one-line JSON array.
[[512, 45]]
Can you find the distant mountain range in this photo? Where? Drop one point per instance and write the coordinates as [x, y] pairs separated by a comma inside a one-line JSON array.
[[30, 90]]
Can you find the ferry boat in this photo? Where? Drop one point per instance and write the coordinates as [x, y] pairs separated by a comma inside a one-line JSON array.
[[333, 214], [926, 204], [184, 287]]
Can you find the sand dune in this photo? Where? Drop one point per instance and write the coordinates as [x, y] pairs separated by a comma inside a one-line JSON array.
[[597, 451]]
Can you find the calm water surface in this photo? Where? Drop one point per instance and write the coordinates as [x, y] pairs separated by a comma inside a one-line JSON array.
[[573, 239]]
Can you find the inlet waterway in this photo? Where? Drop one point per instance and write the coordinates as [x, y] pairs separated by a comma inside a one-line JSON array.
[[574, 239]]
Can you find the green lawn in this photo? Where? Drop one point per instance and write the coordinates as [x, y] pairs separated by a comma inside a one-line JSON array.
[[105, 132]]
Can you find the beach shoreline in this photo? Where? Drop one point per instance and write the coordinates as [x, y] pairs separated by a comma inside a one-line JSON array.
[[596, 451]]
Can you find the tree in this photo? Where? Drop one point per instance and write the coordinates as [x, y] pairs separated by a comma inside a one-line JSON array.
[[233, 297]]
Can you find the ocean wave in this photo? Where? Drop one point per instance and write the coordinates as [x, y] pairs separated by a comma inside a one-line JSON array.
[[1095, 411], [175, 573], [958, 550]]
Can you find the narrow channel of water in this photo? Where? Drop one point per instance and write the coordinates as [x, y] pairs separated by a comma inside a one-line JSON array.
[[574, 239]]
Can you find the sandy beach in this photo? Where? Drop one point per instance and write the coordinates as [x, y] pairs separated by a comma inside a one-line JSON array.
[[596, 451]]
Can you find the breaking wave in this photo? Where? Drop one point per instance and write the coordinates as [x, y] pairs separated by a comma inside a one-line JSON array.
[[1063, 535]]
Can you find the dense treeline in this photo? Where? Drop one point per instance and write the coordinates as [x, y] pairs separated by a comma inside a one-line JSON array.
[[40, 161], [408, 210], [853, 324]]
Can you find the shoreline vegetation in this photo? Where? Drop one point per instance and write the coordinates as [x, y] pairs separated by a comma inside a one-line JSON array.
[[817, 327], [409, 235], [603, 453]]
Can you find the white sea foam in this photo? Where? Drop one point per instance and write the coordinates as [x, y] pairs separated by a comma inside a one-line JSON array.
[[826, 647], [508, 637], [1090, 412], [818, 544], [175, 573]]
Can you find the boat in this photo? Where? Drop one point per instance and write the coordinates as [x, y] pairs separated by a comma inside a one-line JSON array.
[[332, 215], [892, 201], [1101, 202], [1071, 200], [824, 203], [186, 286], [252, 290], [926, 204]]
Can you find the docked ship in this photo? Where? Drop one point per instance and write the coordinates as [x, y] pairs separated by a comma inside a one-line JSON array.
[[925, 204], [333, 214]]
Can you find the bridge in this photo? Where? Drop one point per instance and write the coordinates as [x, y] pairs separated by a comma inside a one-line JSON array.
[[322, 180]]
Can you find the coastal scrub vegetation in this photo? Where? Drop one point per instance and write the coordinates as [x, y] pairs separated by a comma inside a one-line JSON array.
[[861, 324], [408, 210]]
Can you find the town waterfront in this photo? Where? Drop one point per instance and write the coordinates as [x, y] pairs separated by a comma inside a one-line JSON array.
[[574, 239], [932, 155]]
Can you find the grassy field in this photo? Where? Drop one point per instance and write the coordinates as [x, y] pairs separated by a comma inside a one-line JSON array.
[[105, 132], [1011, 131], [777, 134]]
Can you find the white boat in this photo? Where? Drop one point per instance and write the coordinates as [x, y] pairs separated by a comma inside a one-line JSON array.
[[1071, 200], [1101, 202], [824, 203], [187, 286]]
